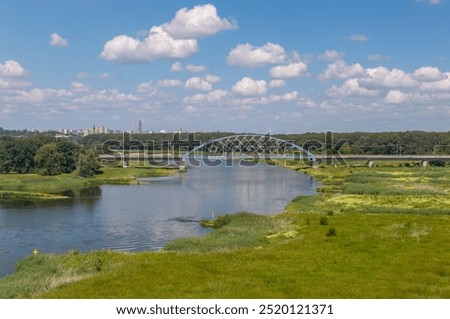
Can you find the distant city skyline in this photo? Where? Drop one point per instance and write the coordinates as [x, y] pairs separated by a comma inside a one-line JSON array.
[[289, 66]]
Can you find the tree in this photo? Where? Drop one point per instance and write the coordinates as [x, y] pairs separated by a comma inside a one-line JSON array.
[[88, 163], [70, 153], [16, 155], [48, 160], [6, 162]]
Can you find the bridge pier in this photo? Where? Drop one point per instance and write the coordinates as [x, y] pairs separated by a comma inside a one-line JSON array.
[[315, 163], [182, 166]]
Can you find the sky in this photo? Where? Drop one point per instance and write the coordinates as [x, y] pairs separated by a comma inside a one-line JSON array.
[[285, 66]]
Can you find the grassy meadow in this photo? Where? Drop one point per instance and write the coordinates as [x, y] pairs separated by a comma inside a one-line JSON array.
[[380, 232]]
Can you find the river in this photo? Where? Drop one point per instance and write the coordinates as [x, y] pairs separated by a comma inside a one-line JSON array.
[[146, 216]]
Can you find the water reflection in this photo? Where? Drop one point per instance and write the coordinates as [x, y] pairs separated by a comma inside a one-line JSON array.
[[146, 216], [83, 193]]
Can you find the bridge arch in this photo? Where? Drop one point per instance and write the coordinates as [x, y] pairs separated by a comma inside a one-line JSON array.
[[244, 146]]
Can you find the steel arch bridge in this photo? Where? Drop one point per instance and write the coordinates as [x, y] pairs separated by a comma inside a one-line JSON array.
[[249, 146]]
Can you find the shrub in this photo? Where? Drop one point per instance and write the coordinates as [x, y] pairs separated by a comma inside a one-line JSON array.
[[324, 221], [331, 232], [220, 221], [223, 220], [437, 163]]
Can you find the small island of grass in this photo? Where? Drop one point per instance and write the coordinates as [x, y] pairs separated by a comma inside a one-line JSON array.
[[38, 187]]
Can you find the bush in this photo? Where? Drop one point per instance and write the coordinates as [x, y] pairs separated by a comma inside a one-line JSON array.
[[331, 232], [220, 221], [437, 163], [324, 221]]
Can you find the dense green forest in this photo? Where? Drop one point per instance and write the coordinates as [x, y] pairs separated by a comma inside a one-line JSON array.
[[26, 152], [46, 155]]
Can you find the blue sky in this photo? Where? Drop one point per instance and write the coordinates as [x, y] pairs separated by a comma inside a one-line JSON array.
[[286, 66]]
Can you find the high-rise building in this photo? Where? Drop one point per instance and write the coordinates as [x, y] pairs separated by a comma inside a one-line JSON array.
[[137, 127]]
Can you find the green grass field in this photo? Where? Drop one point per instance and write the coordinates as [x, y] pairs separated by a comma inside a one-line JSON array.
[[378, 232]]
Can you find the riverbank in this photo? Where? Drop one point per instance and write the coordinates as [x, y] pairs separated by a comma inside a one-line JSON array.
[[37, 187], [378, 232]]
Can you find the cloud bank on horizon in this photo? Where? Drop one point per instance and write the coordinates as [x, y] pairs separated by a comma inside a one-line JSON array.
[[202, 71]]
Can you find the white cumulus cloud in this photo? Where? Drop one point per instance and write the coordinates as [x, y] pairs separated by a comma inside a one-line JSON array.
[[396, 97], [179, 67], [290, 96], [158, 45], [213, 78], [147, 88], [39, 96], [176, 67], [426, 85], [57, 41], [249, 87], [436, 86], [331, 55], [191, 110], [79, 87], [351, 88], [195, 68], [290, 71], [382, 77], [251, 56], [341, 70], [174, 40], [169, 83], [277, 83], [197, 83], [215, 96], [429, 74], [12, 69], [200, 21], [7, 84], [378, 57]]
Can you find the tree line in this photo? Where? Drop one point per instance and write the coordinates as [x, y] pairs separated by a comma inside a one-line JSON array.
[[45, 155], [380, 143], [383, 143]]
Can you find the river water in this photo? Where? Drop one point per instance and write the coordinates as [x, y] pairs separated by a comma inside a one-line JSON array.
[[146, 216]]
